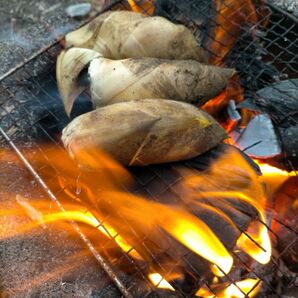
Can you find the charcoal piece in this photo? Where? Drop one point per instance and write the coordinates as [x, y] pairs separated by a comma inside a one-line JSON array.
[[259, 138], [221, 226], [279, 100], [239, 218], [243, 207], [289, 138], [178, 258], [170, 173], [205, 160]]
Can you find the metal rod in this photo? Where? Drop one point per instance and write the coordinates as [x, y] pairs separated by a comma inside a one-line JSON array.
[[104, 264]]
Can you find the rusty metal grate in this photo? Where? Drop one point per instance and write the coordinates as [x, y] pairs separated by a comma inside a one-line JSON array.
[[31, 112]]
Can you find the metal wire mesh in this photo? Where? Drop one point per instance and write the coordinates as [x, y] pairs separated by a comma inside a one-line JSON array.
[[31, 114]]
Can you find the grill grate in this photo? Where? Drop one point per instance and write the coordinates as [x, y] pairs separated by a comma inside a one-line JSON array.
[[31, 111]]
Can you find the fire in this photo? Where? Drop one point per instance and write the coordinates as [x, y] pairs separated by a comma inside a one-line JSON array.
[[200, 239], [234, 91], [98, 197], [260, 247], [255, 242], [273, 177], [181, 225], [78, 215], [269, 170], [241, 289], [159, 282], [244, 288], [142, 6], [231, 17]]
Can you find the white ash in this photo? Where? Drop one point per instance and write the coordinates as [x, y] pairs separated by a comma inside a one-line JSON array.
[[80, 10]]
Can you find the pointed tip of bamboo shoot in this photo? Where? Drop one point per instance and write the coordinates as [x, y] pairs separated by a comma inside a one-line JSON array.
[[70, 64], [85, 36]]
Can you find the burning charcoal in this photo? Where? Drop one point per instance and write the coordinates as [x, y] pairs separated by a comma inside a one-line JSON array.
[[204, 161], [165, 235], [289, 141], [178, 258], [144, 132], [240, 219], [218, 222], [259, 138], [279, 100], [142, 37], [78, 10], [129, 79]]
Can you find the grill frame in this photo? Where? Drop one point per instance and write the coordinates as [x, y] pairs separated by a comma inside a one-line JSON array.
[[17, 99]]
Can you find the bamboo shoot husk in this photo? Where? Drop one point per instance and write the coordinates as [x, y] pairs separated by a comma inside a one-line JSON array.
[[126, 34], [69, 65], [130, 79], [144, 132]]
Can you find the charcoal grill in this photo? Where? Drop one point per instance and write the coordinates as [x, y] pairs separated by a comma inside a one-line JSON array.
[[31, 114]]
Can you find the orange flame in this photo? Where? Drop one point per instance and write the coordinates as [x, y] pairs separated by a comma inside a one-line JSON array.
[[215, 105], [159, 282], [256, 242], [142, 6], [245, 288], [273, 177], [241, 289], [260, 247], [230, 18], [181, 225], [102, 190]]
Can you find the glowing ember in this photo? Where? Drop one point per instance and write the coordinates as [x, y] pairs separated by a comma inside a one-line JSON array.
[[269, 170], [260, 247], [244, 288], [233, 91], [158, 281]]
